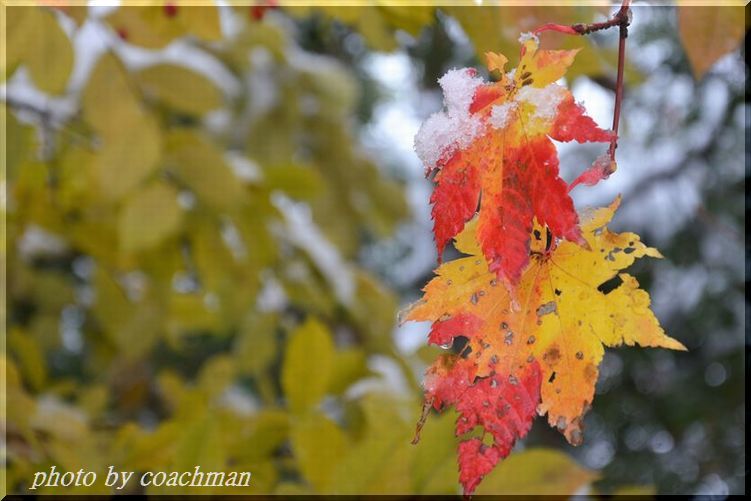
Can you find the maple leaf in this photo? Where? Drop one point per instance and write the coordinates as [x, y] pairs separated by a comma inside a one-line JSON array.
[[541, 342], [492, 147]]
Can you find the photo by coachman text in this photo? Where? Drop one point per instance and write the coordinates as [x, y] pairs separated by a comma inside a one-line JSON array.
[[120, 479]]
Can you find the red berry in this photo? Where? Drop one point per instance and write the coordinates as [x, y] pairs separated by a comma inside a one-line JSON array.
[[170, 9], [257, 12], [122, 33]]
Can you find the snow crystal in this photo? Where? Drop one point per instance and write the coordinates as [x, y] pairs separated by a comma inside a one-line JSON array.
[[528, 36], [459, 88], [500, 114], [545, 100], [441, 135], [446, 131]]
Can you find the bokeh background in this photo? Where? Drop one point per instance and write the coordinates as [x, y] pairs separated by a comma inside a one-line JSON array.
[[213, 214]]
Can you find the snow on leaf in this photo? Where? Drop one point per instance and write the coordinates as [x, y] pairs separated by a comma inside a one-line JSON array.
[[492, 149], [545, 336]]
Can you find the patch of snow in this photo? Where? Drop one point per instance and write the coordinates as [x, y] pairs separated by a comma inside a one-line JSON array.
[[239, 400], [459, 88], [37, 241], [389, 379], [243, 167], [305, 234], [545, 100], [446, 131], [272, 296], [500, 114]]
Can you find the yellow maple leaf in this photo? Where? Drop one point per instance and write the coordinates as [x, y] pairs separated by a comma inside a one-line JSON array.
[[560, 314]]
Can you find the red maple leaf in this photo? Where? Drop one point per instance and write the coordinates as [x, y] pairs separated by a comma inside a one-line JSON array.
[[501, 406], [492, 153]]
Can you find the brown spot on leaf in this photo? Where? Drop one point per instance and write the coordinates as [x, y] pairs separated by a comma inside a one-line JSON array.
[[590, 373], [552, 355]]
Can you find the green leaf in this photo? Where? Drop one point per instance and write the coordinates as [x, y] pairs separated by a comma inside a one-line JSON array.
[[434, 454], [179, 88], [130, 326], [108, 97], [537, 471], [318, 445], [374, 311], [376, 463], [19, 144], [35, 39], [200, 164], [308, 365], [266, 431], [131, 139], [149, 217], [299, 182], [30, 357], [127, 159], [349, 366], [256, 345]]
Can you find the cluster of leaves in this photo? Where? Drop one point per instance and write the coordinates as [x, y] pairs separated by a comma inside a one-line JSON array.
[[540, 291], [160, 262], [164, 305], [183, 286]]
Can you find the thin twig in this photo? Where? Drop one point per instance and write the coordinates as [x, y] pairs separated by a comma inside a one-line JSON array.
[[623, 30], [622, 20]]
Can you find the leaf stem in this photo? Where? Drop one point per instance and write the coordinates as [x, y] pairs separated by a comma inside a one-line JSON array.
[[622, 20]]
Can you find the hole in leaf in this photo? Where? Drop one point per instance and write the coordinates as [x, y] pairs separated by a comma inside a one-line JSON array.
[[552, 377], [609, 286], [459, 343]]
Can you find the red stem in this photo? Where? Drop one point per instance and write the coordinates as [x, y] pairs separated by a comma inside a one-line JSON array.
[[620, 19], [618, 88]]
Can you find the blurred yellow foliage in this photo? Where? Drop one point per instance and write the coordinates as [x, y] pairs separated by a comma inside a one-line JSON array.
[[170, 294]]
